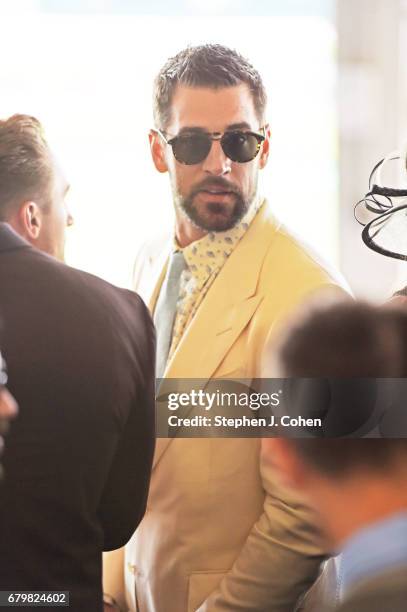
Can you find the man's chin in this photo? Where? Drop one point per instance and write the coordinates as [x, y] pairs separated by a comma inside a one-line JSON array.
[[214, 217], [214, 223]]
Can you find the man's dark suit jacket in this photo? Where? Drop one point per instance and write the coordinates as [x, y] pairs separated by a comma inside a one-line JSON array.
[[80, 357], [384, 593]]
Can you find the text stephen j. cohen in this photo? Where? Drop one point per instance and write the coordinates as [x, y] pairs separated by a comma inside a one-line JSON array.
[[218, 400]]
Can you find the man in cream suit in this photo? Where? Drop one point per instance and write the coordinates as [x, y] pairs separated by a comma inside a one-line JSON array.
[[220, 533]]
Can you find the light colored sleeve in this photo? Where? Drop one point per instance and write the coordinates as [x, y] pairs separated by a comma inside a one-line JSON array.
[[280, 559], [113, 576]]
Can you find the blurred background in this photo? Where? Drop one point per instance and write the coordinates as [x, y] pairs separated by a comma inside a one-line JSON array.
[[336, 74]]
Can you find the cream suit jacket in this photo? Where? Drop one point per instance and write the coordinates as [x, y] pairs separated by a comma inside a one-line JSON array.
[[220, 533]]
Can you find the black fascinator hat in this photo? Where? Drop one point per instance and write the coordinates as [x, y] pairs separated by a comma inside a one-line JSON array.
[[386, 232]]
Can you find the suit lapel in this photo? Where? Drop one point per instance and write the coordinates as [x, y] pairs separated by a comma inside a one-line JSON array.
[[225, 311]]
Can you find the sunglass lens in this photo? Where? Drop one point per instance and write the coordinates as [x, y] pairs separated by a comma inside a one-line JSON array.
[[240, 146], [191, 149]]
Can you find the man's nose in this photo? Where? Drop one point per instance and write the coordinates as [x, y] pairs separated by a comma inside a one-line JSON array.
[[217, 163]]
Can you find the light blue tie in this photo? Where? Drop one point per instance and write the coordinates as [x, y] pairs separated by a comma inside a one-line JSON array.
[[164, 313]]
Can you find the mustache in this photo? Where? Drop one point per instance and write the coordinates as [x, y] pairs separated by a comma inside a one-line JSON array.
[[215, 183]]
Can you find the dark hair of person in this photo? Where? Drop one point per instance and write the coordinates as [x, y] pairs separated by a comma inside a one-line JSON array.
[[347, 340], [26, 167], [211, 65]]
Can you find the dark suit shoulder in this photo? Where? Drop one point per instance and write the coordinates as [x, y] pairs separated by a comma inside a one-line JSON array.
[[83, 286], [53, 266], [89, 323]]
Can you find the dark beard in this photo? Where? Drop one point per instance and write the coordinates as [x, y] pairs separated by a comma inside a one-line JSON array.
[[220, 222]]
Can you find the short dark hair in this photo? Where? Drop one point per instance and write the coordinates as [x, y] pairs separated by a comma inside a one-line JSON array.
[[347, 340], [343, 340], [211, 65], [26, 166]]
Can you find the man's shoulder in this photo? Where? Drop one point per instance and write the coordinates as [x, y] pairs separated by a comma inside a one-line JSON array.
[[78, 285], [118, 302], [291, 253]]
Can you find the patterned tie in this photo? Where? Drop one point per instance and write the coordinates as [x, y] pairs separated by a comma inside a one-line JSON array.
[[164, 313]]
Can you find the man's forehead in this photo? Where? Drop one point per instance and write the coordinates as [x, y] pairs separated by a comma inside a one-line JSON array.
[[212, 109]]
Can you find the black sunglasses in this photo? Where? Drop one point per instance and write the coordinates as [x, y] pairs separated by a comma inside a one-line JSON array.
[[193, 148]]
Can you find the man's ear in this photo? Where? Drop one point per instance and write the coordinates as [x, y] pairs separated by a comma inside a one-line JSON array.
[[157, 151], [27, 221], [265, 150]]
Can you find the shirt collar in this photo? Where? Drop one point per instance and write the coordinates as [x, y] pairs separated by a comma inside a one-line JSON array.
[[378, 547]]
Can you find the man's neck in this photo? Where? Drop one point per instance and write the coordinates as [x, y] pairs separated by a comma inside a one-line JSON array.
[[186, 232], [360, 504]]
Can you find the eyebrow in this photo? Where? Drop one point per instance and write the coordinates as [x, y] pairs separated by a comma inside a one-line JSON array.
[[239, 126], [201, 130]]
